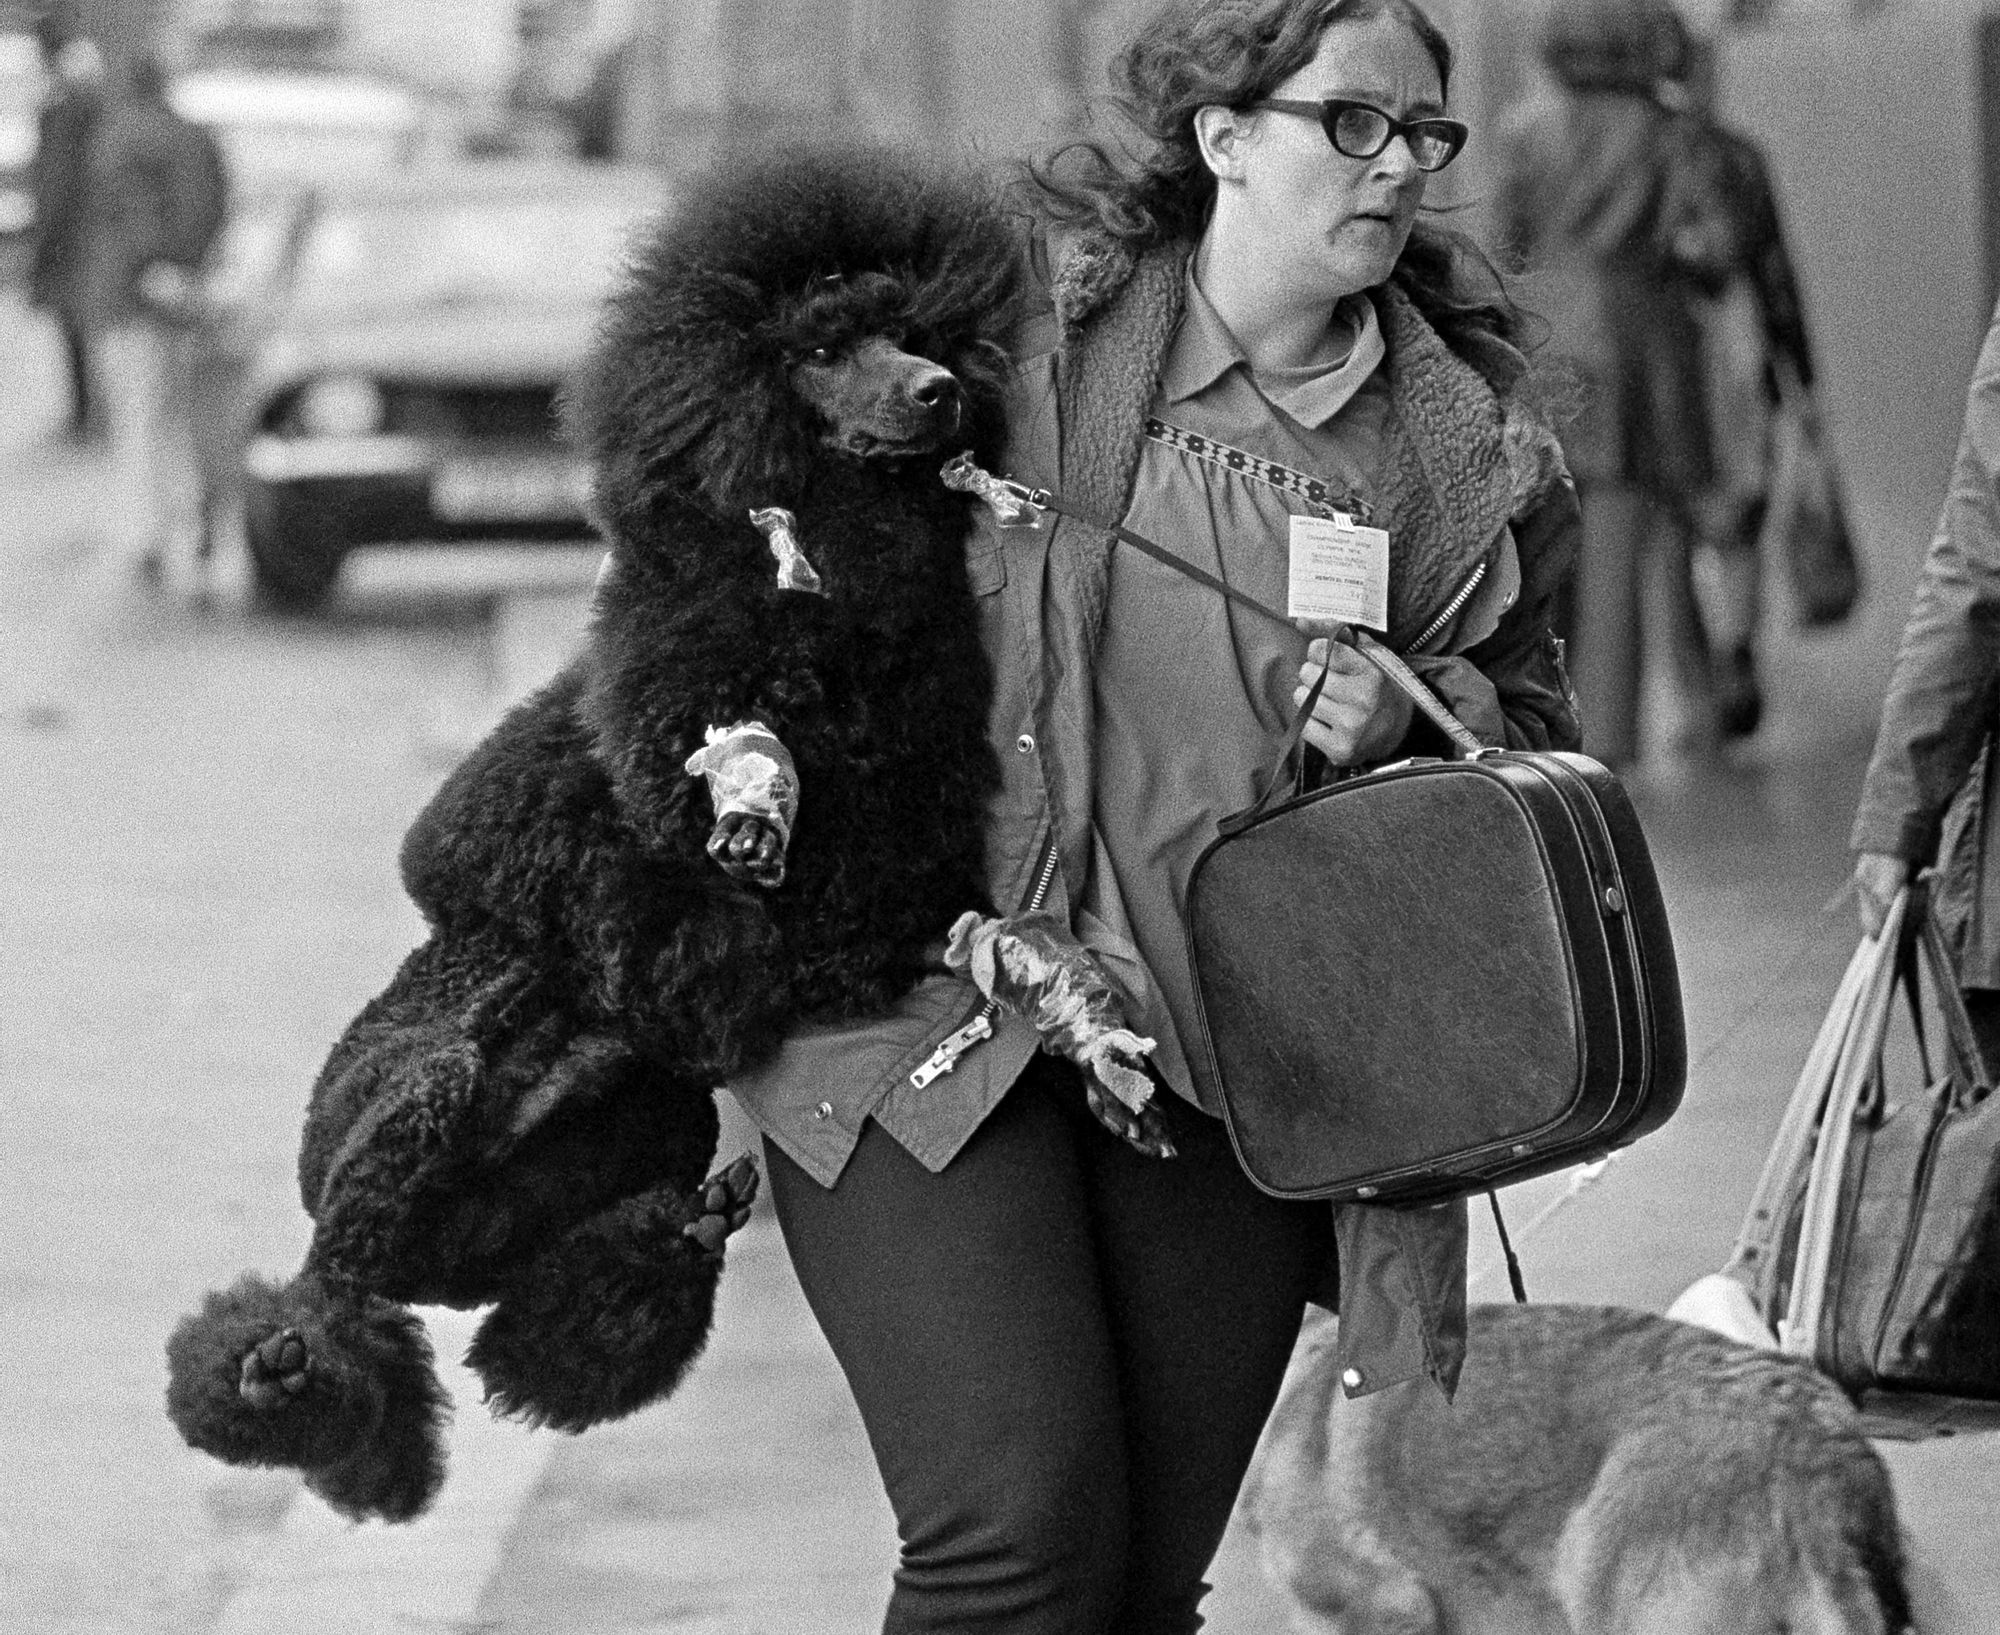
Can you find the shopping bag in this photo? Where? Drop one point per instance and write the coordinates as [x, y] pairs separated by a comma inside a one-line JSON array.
[[1767, 1243], [1805, 523], [1873, 1240], [1902, 1242]]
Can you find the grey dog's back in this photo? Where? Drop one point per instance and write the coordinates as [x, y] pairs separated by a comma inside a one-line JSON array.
[[1602, 1471]]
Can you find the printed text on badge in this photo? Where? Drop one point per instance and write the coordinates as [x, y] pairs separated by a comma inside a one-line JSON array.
[[1339, 572]]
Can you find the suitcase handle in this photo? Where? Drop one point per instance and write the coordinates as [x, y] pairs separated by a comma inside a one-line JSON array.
[[1391, 665]]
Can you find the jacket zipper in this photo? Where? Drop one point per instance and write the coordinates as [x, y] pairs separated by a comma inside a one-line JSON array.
[[1430, 631], [954, 1045]]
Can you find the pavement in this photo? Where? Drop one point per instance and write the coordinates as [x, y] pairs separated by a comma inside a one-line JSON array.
[[201, 807]]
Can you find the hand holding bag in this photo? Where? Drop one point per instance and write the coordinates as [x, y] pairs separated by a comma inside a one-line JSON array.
[[1431, 980], [1437, 978], [1895, 1285]]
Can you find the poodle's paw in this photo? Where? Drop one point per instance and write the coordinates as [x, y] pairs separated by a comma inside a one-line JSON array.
[[275, 1370], [1143, 1130], [750, 848], [723, 1205]]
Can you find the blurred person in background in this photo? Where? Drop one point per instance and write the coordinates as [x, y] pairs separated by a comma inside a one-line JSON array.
[[55, 269], [1759, 364], [155, 192], [1932, 792], [1606, 197]]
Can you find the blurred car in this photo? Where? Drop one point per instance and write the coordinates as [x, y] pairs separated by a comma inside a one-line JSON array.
[[20, 107], [381, 360]]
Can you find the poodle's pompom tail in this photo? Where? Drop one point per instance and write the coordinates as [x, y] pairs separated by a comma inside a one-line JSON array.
[[605, 1321], [363, 1418]]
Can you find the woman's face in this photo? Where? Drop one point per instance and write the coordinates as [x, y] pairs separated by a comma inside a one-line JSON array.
[[1334, 224]]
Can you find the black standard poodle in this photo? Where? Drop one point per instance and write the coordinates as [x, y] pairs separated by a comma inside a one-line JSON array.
[[524, 1117]]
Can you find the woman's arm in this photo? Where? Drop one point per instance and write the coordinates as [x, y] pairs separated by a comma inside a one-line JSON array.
[[1511, 689], [1941, 696]]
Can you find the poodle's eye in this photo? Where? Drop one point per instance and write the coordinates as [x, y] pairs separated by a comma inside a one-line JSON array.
[[818, 355]]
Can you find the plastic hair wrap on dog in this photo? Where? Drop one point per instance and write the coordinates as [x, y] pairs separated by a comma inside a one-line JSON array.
[[749, 771], [781, 528], [1032, 966]]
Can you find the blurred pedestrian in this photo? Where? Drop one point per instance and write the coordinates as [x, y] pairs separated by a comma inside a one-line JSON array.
[[1760, 369], [154, 198], [1932, 792], [1605, 196], [62, 145]]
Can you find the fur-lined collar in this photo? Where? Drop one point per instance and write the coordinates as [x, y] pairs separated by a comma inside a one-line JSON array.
[[1457, 462]]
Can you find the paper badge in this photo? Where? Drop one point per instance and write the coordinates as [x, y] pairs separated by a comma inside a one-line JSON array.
[[1339, 571]]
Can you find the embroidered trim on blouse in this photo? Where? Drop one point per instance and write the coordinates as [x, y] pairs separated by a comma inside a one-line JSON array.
[[1324, 499]]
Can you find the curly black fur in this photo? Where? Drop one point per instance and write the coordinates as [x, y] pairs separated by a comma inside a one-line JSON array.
[[879, 687], [603, 1321], [368, 1428], [523, 1117], [688, 398]]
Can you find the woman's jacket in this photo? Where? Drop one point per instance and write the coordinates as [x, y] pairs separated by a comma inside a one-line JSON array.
[[1465, 477], [1919, 799]]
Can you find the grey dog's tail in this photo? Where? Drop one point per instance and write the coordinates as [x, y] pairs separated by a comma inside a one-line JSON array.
[[366, 1429]]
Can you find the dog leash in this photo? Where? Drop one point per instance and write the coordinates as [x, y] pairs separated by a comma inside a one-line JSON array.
[[1018, 506]]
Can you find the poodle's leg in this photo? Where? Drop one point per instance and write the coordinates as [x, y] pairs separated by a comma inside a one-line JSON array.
[[608, 1318], [378, 1220], [338, 1385]]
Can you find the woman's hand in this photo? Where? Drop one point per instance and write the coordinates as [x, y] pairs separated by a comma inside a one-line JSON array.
[[1360, 715], [1877, 879]]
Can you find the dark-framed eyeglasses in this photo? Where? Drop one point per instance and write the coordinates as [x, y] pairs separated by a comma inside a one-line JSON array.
[[1361, 131]]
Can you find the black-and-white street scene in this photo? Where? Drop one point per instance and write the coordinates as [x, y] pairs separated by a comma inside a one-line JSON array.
[[635, 994]]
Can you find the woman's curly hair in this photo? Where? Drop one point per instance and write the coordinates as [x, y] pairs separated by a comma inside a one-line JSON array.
[[1231, 53]]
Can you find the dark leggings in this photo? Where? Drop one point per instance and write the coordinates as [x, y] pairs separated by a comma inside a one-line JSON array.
[[1063, 1353]]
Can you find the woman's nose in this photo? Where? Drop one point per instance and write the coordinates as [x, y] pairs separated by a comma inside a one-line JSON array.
[[1398, 160]]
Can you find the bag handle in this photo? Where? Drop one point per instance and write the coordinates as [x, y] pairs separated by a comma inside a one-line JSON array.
[[1754, 1261], [1859, 1053], [1382, 656]]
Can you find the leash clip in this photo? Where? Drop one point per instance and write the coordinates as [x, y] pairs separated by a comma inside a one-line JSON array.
[[1014, 505]]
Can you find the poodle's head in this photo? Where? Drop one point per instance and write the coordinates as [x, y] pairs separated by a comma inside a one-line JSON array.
[[813, 306]]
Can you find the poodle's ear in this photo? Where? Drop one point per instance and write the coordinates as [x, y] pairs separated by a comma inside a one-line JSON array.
[[709, 418]]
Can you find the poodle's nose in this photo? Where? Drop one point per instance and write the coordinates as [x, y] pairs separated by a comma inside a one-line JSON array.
[[934, 388]]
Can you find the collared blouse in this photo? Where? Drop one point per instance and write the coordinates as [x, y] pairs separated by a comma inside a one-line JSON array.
[[1194, 693]]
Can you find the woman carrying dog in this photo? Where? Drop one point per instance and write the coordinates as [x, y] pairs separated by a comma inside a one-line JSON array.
[[1064, 1349]]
